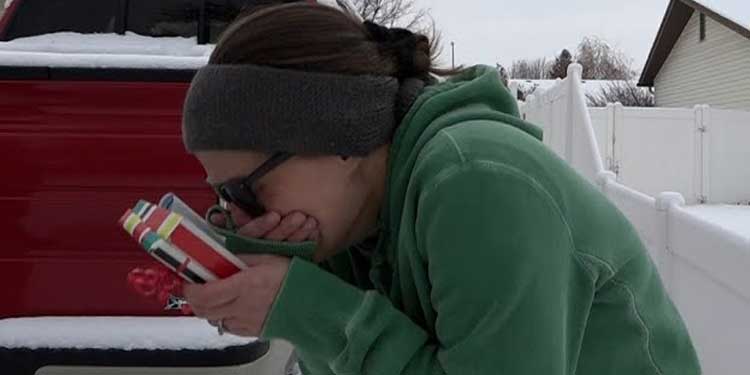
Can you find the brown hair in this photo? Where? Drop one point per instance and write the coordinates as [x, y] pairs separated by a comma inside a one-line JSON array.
[[316, 38]]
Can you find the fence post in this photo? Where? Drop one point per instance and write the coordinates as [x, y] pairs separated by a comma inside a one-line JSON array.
[[609, 139], [513, 87], [664, 202], [530, 106], [575, 74], [698, 151], [705, 139], [618, 121]]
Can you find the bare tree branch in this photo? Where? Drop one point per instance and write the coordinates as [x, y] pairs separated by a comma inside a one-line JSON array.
[[624, 92], [602, 61], [530, 69], [394, 13]]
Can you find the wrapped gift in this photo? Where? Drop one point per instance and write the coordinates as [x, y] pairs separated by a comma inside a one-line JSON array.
[[188, 249]]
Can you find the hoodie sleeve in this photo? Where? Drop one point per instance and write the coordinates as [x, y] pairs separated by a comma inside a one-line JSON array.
[[497, 252]]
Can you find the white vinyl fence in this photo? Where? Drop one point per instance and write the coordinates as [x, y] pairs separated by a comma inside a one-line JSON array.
[[706, 268], [555, 110], [697, 152]]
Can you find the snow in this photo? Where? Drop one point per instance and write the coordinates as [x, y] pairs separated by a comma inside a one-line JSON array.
[[67, 49], [66, 60], [591, 86], [128, 333], [128, 44], [736, 10], [734, 218]]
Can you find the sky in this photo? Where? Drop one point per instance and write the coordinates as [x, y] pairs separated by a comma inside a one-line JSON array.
[[500, 31]]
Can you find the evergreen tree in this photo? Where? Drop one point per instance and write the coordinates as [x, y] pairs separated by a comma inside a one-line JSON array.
[[560, 67]]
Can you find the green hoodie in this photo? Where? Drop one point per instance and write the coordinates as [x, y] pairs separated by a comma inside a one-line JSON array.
[[495, 257]]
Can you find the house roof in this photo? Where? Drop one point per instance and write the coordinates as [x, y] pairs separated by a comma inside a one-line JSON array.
[[678, 14]]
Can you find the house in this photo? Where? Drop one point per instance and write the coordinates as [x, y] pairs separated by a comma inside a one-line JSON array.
[[701, 55]]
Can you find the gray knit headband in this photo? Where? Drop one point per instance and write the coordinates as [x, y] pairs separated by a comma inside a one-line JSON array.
[[259, 108]]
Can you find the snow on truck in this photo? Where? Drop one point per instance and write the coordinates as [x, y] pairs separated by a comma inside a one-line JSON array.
[[90, 105]]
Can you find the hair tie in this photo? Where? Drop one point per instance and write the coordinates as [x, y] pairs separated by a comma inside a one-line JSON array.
[[401, 41]]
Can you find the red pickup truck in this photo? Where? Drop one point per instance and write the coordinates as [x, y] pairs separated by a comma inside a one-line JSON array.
[[90, 104]]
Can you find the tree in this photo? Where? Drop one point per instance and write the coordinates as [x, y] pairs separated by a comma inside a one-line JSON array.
[[559, 68], [530, 69], [393, 13], [404, 14], [601, 61], [624, 92]]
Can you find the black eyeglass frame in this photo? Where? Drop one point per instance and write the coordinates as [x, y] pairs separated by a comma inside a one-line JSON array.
[[239, 190]]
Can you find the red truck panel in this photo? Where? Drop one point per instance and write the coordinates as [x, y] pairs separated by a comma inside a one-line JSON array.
[[74, 156]]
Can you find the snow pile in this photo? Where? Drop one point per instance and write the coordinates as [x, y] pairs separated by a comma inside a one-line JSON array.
[[538, 86], [115, 44], [68, 49], [733, 218], [67, 60], [126, 333]]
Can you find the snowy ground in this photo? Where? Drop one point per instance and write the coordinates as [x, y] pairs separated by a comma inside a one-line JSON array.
[[170, 333], [733, 218], [67, 49]]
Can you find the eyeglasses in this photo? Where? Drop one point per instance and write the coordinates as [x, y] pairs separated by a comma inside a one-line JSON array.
[[239, 191]]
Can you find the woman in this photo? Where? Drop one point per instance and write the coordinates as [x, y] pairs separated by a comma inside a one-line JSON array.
[[447, 238]]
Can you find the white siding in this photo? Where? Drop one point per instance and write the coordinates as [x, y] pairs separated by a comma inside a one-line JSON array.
[[715, 71]]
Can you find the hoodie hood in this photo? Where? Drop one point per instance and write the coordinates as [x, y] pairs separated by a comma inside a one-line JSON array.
[[475, 94]]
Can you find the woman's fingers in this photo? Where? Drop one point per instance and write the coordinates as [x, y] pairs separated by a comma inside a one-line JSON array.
[[288, 226], [214, 314], [235, 327], [254, 260], [261, 226], [305, 232], [212, 294], [240, 217], [295, 227], [254, 291]]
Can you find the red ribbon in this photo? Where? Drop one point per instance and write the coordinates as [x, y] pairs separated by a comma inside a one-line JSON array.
[[157, 282]]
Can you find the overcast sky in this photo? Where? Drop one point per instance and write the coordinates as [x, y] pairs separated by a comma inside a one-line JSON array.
[[490, 31]]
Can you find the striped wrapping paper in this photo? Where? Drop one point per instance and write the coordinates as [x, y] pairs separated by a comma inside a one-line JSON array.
[[179, 244]]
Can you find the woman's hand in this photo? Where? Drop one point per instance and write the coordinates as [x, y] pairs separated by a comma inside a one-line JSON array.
[[294, 227], [242, 301]]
